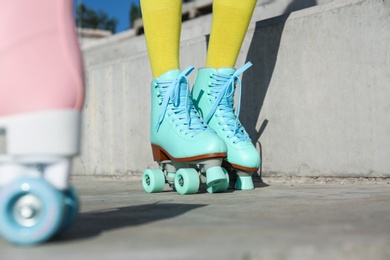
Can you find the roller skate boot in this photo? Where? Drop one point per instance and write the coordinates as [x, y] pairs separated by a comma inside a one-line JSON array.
[[41, 94], [213, 97], [187, 150]]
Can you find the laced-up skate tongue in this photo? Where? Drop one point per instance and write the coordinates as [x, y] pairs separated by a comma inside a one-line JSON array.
[[223, 88], [171, 90], [176, 95]]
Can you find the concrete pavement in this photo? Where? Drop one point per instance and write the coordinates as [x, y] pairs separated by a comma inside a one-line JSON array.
[[325, 219]]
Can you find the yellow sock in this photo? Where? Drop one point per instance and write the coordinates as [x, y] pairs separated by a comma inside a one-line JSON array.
[[162, 25], [230, 22]]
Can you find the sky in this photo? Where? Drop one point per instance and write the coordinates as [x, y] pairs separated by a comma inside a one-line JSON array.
[[118, 9]]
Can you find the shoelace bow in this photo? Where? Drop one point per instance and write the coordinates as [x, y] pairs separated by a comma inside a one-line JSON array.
[[175, 100], [222, 88]]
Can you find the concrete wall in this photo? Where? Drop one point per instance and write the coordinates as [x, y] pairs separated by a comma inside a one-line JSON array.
[[318, 97], [316, 102], [126, 44]]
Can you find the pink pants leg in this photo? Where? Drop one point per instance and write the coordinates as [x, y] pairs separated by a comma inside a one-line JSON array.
[[41, 95]]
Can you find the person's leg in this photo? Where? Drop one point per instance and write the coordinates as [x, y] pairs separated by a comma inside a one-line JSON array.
[[180, 139], [230, 23], [162, 26], [40, 60], [215, 85], [41, 95]]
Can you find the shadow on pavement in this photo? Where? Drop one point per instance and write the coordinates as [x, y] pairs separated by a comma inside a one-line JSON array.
[[92, 224]]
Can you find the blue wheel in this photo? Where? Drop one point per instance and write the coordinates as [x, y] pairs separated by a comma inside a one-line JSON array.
[[153, 180], [31, 211], [187, 181], [222, 186], [71, 208]]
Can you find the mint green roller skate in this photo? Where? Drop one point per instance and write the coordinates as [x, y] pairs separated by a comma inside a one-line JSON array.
[[188, 151], [213, 97]]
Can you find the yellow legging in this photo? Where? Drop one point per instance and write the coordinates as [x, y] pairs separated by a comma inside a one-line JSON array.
[[162, 25]]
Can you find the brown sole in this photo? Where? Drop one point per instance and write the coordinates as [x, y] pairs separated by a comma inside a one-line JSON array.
[[226, 164], [159, 154]]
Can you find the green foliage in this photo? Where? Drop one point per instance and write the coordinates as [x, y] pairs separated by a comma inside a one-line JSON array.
[[135, 13], [89, 18]]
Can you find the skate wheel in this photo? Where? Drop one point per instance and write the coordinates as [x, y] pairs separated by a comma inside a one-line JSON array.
[[187, 181], [153, 180], [71, 208], [220, 187], [31, 211], [244, 183], [215, 175]]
